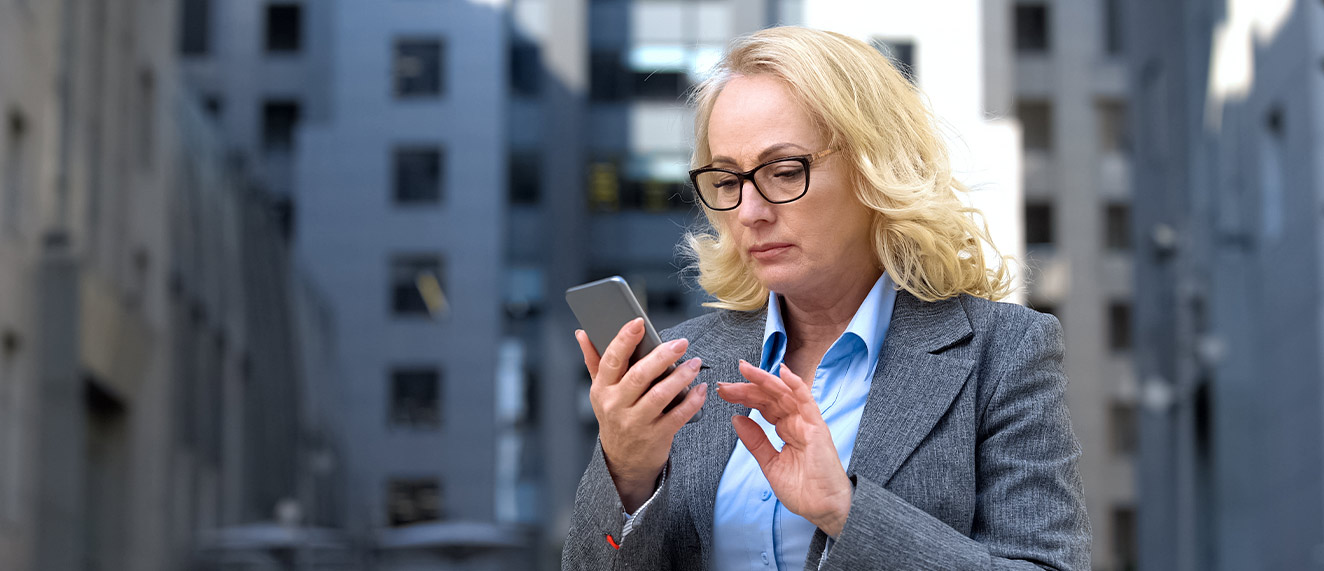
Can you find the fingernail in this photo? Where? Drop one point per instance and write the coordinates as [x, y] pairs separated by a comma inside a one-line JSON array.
[[676, 345], [694, 363], [637, 325], [703, 388]]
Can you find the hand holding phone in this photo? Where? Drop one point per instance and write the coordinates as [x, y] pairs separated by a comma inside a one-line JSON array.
[[602, 308]]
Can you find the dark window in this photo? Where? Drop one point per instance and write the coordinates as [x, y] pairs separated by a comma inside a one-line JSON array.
[[1122, 421], [15, 171], [1036, 124], [654, 195], [213, 105], [416, 398], [659, 84], [1112, 27], [1117, 222], [279, 118], [610, 79], [418, 67], [1032, 28], [194, 27], [1038, 223], [606, 76], [1112, 125], [407, 298], [525, 68], [147, 116], [1124, 537], [525, 176], [418, 174], [900, 53], [284, 27], [413, 501], [1119, 326]]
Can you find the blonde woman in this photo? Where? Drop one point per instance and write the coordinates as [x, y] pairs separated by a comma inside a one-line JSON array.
[[878, 409]]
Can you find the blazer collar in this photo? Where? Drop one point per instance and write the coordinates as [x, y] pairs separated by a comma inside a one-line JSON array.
[[912, 387]]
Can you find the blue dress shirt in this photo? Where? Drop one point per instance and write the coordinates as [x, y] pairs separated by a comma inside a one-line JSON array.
[[751, 527]]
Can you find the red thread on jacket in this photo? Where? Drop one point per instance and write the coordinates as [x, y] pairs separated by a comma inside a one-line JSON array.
[[612, 542]]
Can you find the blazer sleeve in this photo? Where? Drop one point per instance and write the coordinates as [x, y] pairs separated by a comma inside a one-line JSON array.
[[1030, 508], [598, 515]]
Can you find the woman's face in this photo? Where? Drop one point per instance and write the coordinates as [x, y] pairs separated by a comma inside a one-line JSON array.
[[809, 247]]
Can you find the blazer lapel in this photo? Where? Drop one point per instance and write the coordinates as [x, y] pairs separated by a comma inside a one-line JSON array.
[[913, 384], [739, 337]]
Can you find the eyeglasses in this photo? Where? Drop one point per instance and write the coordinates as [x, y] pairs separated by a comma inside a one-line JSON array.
[[778, 181]]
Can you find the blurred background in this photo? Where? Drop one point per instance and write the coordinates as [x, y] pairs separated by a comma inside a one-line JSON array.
[[281, 280]]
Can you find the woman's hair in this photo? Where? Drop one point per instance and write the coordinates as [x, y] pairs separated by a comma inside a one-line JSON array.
[[929, 242]]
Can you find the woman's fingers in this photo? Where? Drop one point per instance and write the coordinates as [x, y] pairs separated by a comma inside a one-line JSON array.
[[677, 417], [752, 436], [591, 356], [616, 358], [640, 377]]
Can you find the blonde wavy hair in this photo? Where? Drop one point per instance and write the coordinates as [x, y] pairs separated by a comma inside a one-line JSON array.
[[930, 243]]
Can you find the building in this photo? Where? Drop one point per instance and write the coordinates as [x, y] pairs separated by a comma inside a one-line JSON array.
[[1229, 96], [1071, 99], [400, 214], [150, 389]]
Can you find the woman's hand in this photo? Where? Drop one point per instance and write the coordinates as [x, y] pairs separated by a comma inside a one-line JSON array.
[[806, 475], [636, 434]]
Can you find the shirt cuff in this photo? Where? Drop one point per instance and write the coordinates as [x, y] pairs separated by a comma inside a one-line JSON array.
[[826, 547], [629, 518]]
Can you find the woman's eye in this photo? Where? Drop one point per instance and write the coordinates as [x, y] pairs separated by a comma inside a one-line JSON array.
[[725, 183], [789, 171]]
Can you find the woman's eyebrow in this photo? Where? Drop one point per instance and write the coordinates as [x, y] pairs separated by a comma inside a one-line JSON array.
[[763, 156]]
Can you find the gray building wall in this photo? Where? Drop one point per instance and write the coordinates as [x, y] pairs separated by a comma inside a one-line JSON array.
[[128, 368], [1074, 173], [1230, 320], [349, 228]]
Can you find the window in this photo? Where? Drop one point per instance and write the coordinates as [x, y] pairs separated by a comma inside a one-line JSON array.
[[418, 174], [279, 118], [1122, 427], [900, 53], [406, 270], [525, 68], [606, 76], [413, 500], [15, 172], [147, 116], [1113, 137], [650, 72], [1032, 28], [525, 174], [417, 68], [1038, 223], [1124, 537], [1119, 326], [1117, 225], [284, 28], [213, 105], [1036, 124], [1112, 27], [194, 27], [416, 398]]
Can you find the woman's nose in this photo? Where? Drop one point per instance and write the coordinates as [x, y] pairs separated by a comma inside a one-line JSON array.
[[753, 207]]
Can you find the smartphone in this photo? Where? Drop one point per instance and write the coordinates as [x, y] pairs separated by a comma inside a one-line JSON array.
[[602, 308]]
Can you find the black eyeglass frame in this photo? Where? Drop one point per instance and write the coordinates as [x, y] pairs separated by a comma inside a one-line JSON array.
[[805, 160]]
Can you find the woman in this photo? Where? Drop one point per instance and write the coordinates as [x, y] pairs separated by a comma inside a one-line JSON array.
[[889, 414]]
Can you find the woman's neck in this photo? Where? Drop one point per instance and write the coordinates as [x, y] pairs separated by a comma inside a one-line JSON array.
[[814, 321]]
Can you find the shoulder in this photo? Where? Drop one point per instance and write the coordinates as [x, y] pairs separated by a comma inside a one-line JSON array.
[[718, 321], [1000, 323]]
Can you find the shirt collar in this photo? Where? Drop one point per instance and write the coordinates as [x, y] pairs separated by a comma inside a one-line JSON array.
[[869, 324]]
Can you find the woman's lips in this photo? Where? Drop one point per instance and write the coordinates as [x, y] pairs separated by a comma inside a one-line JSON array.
[[768, 251]]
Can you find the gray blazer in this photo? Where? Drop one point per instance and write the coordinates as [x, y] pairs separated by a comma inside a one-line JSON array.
[[964, 458]]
